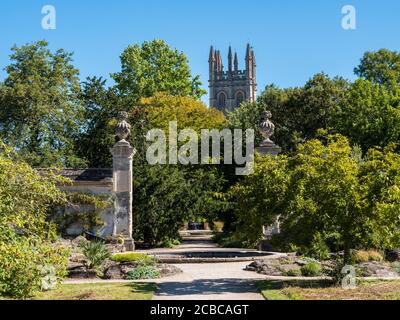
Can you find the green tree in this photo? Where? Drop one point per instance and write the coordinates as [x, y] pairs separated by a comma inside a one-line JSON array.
[[40, 113], [155, 67], [370, 115], [260, 198], [26, 247], [381, 67], [101, 105], [327, 193], [297, 112], [169, 195]]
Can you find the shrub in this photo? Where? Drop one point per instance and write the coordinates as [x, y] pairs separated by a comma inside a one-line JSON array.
[[396, 266], [367, 255], [29, 261], [170, 243], [140, 258], [218, 226], [96, 254], [311, 269], [318, 248], [293, 273], [27, 267], [143, 272]]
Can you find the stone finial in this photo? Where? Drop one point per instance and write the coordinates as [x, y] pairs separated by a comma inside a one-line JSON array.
[[123, 128], [267, 128]]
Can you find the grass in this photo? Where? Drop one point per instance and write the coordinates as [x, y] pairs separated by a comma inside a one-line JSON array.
[[133, 257], [323, 290], [100, 291]]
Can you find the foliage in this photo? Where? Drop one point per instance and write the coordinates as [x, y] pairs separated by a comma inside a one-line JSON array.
[[155, 67], [311, 269], [101, 106], [143, 272], [25, 198], [381, 67], [297, 113], [40, 113], [25, 234], [380, 177], [370, 116], [260, 197], [169, 195], [140, 258], [318, 248], [293, 273], [187, 112], [324, 191], [96, 254], [89, 220], [22, 262], [368, 255], [170, 243]]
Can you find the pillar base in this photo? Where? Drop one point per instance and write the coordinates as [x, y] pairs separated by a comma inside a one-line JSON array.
[[129, 244]]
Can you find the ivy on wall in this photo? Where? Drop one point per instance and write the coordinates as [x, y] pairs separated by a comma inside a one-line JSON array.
[[72, 212]]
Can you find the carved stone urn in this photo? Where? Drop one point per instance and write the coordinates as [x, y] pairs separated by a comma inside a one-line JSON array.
[[267, 130]]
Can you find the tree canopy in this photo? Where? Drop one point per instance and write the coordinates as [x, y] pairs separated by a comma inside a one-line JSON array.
[[155, 67], [40, 113]]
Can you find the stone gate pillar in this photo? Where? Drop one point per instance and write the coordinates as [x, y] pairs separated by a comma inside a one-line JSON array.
[[122, 183], [268, 147]]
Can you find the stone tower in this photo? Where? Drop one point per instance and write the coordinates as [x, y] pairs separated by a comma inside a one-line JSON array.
[[228, 89]]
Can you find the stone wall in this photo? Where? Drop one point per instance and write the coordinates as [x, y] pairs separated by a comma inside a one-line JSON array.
[[87, 181]]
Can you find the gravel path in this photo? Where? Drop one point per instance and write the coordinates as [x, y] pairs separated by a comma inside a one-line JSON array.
[[212, 281]]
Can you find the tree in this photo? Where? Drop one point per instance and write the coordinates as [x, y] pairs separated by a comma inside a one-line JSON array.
[[169, 195], [260, 198], [297, 112], [155, 67], [381, 67], [380, 174], [186, 111], [370, 115], [26, 248], [40, 113], [101, 105], [326, 191]]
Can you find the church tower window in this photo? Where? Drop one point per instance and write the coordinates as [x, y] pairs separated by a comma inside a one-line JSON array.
[[221, 101]]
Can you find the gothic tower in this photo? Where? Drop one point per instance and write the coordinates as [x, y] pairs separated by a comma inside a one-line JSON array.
[[228, 89]]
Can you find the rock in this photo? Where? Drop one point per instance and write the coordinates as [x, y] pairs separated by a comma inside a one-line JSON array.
[[75, 265], [255, 266], [393, 255], [82, 273], [167, 270], [288, 267], [116, 248], [264, 267], [271, 270], [376, 269], [114, 272], [301, 262], [78, 240], [77, 257]]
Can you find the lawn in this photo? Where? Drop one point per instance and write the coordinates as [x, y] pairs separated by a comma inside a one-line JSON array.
[[323, 290], [100, 291]]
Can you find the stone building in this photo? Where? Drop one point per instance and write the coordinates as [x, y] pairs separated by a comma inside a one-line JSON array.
[[228, 89]]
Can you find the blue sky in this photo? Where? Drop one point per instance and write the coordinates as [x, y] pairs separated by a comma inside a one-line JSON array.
[[293, 39]]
